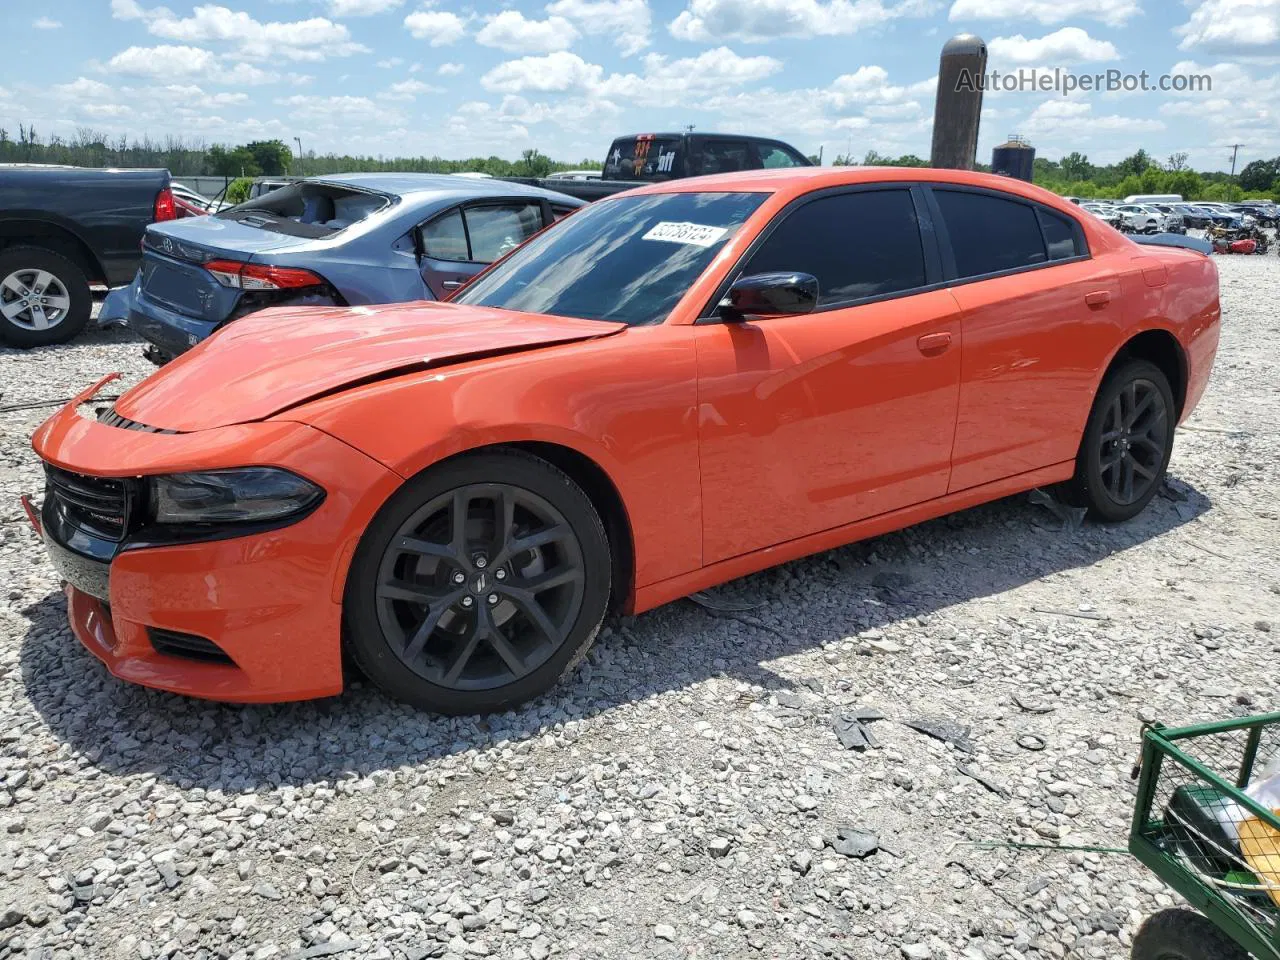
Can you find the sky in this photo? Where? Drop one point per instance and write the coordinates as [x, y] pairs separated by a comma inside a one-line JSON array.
[[452, 79]]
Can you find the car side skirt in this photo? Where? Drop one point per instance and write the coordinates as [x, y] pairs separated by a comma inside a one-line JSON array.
[[664, 591]]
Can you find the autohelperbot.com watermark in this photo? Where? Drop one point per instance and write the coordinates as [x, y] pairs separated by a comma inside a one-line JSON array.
[[1065, 82]]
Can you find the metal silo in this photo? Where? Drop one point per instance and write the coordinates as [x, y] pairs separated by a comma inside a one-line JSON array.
[[1014, 158]]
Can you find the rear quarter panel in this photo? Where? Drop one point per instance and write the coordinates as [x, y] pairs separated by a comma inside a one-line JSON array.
[[627, 402], [1176, 290]]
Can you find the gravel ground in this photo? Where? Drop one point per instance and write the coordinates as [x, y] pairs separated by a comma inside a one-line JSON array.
[[685, 794]]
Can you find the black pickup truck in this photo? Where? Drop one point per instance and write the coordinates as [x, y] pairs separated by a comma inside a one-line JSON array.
[[62, 229], [653, 157]]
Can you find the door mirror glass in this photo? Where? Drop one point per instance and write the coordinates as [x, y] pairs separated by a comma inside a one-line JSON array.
[[770, 295]]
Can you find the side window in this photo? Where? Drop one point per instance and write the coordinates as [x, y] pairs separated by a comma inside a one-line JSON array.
[[771, 157], [444, 237], [725, 156], [990, 234], [558, 212], [499, 228], [1059, 236], [858, 245]]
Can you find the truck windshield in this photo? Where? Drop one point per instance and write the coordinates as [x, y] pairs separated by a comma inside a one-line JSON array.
[[629, 259]]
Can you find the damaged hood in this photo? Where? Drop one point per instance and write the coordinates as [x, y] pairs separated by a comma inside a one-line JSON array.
[[276, 359]]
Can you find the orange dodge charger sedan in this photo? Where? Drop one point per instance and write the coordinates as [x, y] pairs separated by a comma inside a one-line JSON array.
[[671, 388]]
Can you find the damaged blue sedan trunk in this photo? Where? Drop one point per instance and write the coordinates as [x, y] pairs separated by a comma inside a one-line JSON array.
[[331, 241]]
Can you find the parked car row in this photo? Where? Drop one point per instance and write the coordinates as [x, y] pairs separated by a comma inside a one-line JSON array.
[[667, 389], [1177, 216]]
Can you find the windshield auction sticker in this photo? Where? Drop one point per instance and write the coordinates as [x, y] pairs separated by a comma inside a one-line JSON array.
[[697, 234]]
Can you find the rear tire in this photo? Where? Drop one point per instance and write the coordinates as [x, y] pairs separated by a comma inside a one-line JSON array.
[[1127, 442], [1183, 935], [480, 584], [44, 297]]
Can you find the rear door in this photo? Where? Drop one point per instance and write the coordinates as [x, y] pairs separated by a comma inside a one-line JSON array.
[[1040, 319], [462, 241]]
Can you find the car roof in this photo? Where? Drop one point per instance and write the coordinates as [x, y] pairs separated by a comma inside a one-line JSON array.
[[440, 184], [799, 180]]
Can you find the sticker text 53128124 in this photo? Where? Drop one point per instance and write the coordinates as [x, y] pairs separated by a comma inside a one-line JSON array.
[[697, 234]]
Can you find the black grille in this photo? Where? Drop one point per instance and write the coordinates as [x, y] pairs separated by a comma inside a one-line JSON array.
[[188, 645], [110, 418], [98, 505]]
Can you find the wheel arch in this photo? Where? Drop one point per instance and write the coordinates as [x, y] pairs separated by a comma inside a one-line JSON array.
[[587, 473], [33, 232], [1162, 348]]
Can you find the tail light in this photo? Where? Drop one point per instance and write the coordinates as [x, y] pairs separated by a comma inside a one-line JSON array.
[[165, 209], [261, 276]]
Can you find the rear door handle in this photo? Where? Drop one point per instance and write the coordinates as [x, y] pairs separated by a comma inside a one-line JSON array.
[[1097, 298], [451, 284], [932, 344]]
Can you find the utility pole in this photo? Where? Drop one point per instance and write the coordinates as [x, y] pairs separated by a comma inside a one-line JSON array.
[[688, 128], [298, 141], [1235, 149]]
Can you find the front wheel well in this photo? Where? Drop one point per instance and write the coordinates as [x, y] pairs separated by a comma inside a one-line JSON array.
[[1163, 349], [604, 496]]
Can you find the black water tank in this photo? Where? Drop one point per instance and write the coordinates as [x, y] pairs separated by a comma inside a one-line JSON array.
[[1014, 158]]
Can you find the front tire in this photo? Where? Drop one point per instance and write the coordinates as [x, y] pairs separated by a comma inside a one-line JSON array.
[[479, 585], [1183, 935], [44, 297], [1127, 442]]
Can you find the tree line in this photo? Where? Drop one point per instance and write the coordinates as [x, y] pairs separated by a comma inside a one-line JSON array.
[[1073, 175], [196, 157]]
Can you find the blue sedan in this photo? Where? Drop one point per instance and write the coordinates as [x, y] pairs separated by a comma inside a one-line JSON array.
[[326, 241]]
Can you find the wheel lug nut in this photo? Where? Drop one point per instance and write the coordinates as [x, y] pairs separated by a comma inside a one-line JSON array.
[[493, 599], [481, 563], [459, 577], [501, 574], [467, 601]]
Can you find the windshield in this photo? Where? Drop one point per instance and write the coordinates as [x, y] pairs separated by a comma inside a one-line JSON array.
[[629, 259]]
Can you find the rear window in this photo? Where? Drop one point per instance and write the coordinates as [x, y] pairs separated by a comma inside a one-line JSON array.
[[990, 234], [645, 157], [307, 209]]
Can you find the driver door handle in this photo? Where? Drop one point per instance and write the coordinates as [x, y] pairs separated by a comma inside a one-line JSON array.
[[932, 344], [451, 284]]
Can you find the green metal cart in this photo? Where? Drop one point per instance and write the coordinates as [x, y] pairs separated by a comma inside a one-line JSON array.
[[1188, 822]]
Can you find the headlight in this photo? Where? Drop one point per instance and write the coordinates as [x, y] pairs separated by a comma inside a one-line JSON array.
[[242, 495]]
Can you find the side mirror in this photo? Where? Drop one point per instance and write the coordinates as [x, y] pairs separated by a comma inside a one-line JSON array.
[[770, 295]]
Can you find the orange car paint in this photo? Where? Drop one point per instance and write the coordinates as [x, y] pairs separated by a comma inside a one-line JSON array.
[[731, 447]]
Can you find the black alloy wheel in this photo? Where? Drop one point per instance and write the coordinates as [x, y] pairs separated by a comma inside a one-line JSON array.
[[1127, 442], [471, 593]]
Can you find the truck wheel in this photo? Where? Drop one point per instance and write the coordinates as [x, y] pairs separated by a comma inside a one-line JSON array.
[[1183, 935], [44, 297]]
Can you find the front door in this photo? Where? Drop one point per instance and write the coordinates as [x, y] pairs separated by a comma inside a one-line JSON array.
[[814, 421]]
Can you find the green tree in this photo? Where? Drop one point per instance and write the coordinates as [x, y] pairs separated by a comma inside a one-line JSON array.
[[273, 157], [1186, 183], [1076, 166], [535, 163], [1177, 162], [1259, 174], [238, 190], [1136, 164]]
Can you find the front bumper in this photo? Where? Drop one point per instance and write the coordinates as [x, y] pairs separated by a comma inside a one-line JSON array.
[[271, 602]]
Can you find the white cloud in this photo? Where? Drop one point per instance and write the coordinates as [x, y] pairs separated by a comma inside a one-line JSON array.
[[627, 21], [1233, 26], [175, 62], [1068, 45], [450, 69], [390, 62], [511, 31], [556, 72], [314, 39], [663, 81], [328, 107], [1114, 13], [84, 88], [870, 85], [757, 21], [439, 27], [407, 90], [46, 23], [361, 8], [1063, 117]]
